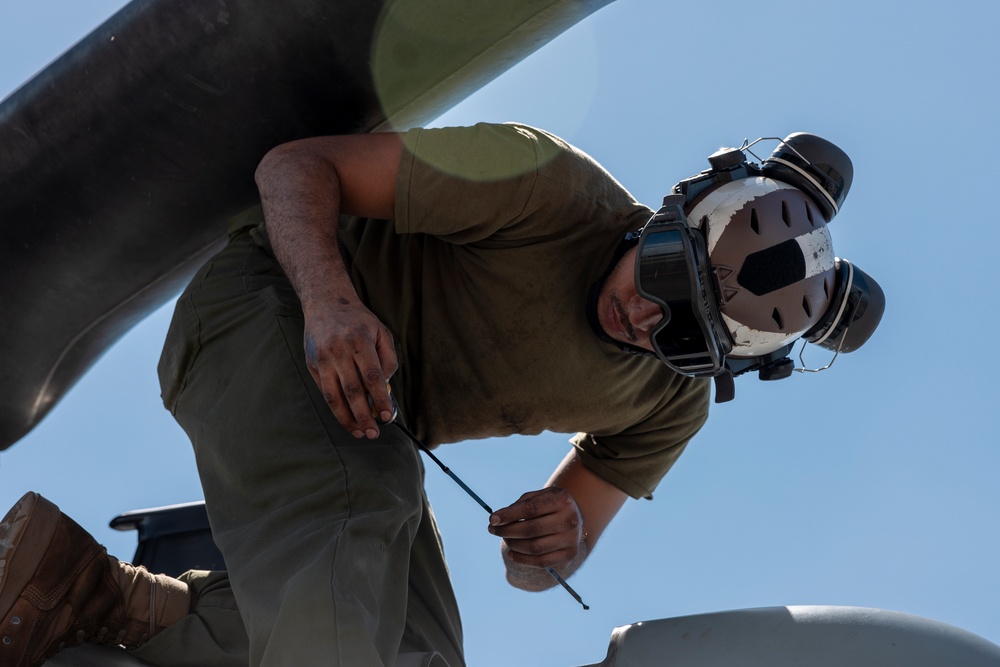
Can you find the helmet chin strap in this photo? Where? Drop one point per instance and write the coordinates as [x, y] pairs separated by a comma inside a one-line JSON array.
[[725, 387]]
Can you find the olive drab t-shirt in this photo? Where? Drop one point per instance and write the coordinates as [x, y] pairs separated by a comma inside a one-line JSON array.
[[483, 275]]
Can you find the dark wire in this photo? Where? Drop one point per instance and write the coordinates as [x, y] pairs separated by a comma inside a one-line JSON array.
[[482, 503]]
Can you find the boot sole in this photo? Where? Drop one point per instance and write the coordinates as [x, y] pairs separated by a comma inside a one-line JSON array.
[[25, 534]]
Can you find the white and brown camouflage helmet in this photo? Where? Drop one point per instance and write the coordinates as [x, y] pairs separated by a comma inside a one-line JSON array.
[[762, 270], [773, 256], [771, 250]]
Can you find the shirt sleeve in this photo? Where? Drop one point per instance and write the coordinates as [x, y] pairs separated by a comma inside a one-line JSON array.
[[463, 184], [637, 459]]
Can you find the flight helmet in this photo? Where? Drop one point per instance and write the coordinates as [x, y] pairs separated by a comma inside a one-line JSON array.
[[741, 261]]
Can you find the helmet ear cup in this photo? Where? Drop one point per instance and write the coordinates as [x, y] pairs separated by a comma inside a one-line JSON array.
[[857, 305], [815, 166]]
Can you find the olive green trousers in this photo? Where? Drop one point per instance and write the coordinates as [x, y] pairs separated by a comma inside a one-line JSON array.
[[332, 552]]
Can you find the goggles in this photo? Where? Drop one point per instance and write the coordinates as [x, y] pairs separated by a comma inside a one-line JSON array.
[[672, 271]]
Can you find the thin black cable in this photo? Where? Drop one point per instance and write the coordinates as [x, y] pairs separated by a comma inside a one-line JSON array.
[[482, 503]]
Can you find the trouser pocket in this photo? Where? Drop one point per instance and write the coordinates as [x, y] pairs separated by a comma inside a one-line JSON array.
[[179, 351]]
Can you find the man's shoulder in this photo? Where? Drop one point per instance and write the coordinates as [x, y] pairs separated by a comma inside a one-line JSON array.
[[539, 146]]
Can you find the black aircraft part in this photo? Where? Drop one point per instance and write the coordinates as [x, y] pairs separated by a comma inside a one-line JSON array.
[[121, 162]]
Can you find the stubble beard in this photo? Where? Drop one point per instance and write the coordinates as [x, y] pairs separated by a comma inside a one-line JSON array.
[[623, 320]]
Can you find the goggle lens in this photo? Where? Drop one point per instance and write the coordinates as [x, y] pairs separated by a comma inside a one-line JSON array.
[[667, 273]]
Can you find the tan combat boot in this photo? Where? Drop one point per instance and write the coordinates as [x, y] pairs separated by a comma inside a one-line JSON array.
[[58, 588]]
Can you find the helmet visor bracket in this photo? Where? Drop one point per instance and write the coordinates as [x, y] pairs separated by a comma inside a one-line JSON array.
[[671, 270]]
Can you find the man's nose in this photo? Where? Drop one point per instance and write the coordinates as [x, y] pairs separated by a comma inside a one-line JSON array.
[[644, 314]]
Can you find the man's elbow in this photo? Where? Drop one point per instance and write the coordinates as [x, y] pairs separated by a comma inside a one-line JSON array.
[[288, 159]]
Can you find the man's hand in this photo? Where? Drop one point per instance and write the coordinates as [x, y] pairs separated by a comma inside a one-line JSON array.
[[305, 186], [542, 529], [546, 528], [350, 354]]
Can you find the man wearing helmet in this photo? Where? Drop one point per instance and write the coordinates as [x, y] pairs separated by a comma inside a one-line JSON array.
[[497, 300]]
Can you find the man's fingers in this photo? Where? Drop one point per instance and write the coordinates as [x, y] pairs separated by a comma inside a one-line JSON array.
[[348, 401], [376, 376], [542, 552], [350, 368], [550, 524], [542, 529], [342, 411], [334, 398], [386, 350], [357, 400], [535, 504]]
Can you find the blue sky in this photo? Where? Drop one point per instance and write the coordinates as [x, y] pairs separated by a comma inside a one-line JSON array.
[[873, 484]]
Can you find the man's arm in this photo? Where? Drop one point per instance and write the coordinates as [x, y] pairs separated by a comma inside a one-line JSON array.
[[557, 526], [304, 187]]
